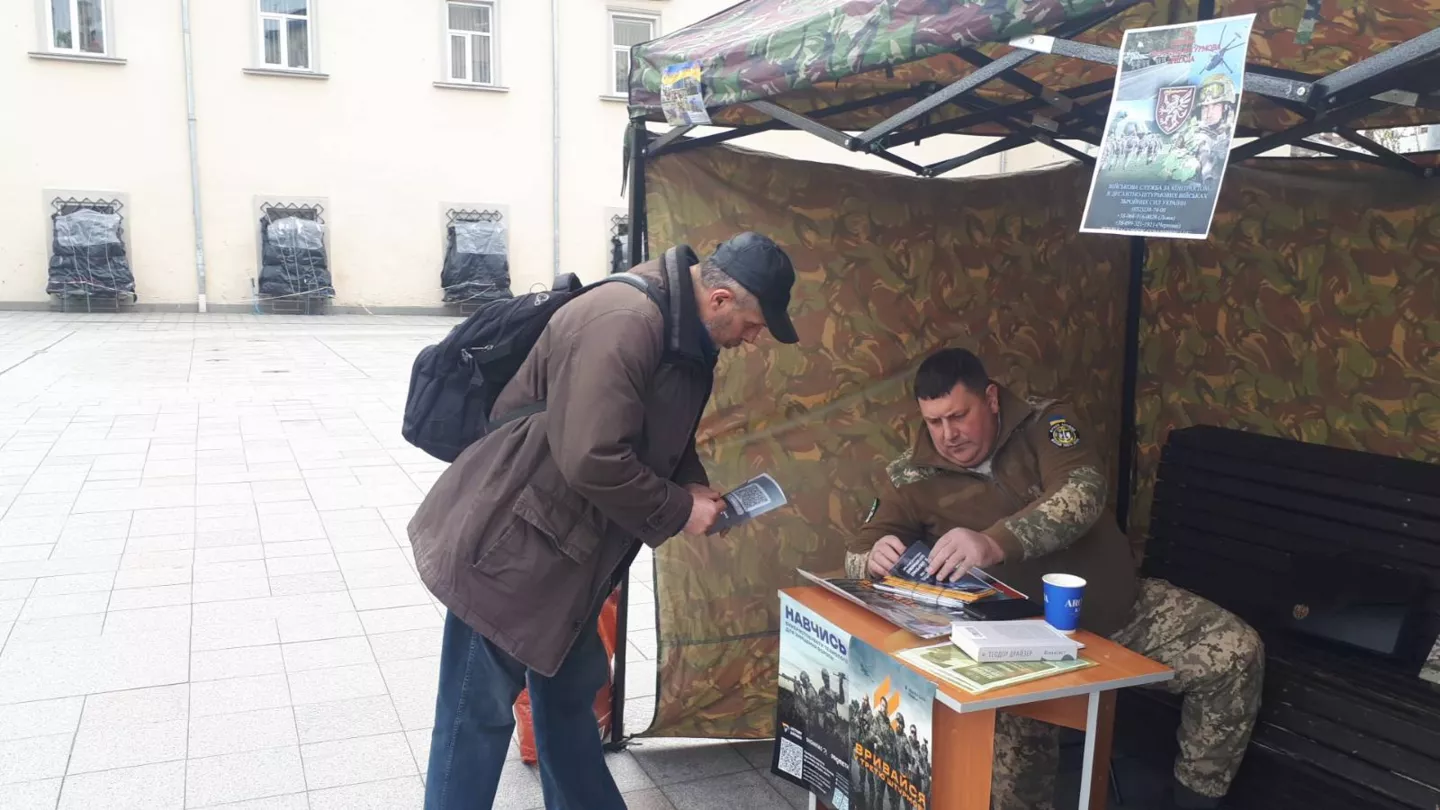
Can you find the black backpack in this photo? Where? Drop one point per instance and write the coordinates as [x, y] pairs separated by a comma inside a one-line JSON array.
[[454, 383]]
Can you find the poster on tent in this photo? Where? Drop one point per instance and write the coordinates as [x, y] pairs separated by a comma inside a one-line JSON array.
[[890, 764], [1167, 137], [812, 739]]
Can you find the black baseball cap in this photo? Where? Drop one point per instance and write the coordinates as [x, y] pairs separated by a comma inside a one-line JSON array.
[[760, 266]]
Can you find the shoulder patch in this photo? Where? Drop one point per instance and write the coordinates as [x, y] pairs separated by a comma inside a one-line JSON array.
[[903, 471], [1062, 433]]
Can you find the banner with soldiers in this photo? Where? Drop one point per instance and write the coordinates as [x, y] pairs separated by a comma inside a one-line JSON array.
[[812, 745], [1167, 137], [890, 717]]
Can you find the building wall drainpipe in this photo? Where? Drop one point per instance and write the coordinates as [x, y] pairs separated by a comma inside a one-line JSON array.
[[555, 132], [194, 159]]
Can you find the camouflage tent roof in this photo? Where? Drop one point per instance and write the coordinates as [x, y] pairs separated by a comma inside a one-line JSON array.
[[808, 55]]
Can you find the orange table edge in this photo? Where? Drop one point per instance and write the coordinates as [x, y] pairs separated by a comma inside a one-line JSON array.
[[964, 736]]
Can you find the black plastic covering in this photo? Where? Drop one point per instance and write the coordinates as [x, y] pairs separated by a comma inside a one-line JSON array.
[[477, 262], [87, 256], [293, 263]]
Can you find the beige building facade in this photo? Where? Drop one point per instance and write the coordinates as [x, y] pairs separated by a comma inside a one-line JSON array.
[[378, 118]]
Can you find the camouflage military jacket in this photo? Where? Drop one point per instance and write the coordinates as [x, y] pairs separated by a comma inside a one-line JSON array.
[[1042, 498]]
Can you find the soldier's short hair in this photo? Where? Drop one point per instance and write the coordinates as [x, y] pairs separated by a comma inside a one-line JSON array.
[[945, 369]]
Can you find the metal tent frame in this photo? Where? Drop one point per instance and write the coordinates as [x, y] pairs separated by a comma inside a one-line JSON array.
[[1406, 75]]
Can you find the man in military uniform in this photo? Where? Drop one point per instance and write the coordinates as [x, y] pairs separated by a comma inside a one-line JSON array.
[[1205, 135], [1017, 487]]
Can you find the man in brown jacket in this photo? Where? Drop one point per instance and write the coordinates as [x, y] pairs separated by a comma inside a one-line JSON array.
[[527, 532], [1017, 488]]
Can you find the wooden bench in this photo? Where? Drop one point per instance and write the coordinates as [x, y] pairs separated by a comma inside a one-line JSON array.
[[1334, 557]]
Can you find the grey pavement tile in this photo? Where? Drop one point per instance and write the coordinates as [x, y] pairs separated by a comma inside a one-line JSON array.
[[640, 678], [245, 776], [75, 604], [798, 797], [647, 800], [673, 761], [160, 542], [159, 596], [413, 685], [388, 576], [56, 629], [405, 793], [225, 554], [229, 637], [210, 698], [148, 705], [218, 494], [291, 801], [146, 787], [318, 627], [152, 577], [390, 597], [80, 549], [235, 569], [124, 743], [298, 548], [73, 583], [420, 746], [341, 683], [406, 645], [11, 609], [230, 590], [157, 559], [215, 665], [356, 761], [519, 788], [344, 719], [41, 718], [394, 620], [30, 795], [383, 558], [639, 712], [310, 564], [749, 790], [213, 735], [273, 607], [13, 589], [12, 555], [628, 774], [171, 620], [298, 584], [327, 654], [224, 538], [156, 522]]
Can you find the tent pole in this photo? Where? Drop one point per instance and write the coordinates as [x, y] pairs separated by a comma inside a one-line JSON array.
[[639, 137], [1125, 480]]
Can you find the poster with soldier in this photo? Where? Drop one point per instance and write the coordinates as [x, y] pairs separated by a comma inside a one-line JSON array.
[[812, 741], [890, 717], [1167, 137]]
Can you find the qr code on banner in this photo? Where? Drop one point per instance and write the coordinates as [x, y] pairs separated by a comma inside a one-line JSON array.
[[840, 800], [752, 497], [792, 759]]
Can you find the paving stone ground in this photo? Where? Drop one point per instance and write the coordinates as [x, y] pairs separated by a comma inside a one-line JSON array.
[[206, 595]]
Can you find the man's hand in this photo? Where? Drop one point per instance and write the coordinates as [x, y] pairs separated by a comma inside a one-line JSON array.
[[885, 554], [959, 550], [705, 507]]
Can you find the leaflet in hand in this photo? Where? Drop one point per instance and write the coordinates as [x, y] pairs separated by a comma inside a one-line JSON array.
[[748, 501], [910, 576]]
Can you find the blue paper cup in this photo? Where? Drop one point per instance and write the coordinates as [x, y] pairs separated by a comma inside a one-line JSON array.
[[1063, 595]]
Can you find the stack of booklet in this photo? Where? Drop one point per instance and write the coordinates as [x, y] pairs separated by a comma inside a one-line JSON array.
[[950, 664], [1025, 640]]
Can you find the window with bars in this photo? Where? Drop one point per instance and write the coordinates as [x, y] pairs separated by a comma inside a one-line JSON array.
[[286, 34], [76, 26], [627, 29], [619, 243], [470, 41]]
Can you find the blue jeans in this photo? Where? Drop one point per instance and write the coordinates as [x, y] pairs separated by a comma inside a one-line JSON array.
[[474, 723]]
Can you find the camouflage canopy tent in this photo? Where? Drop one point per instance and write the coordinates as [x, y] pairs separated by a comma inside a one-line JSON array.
[[872, 75]]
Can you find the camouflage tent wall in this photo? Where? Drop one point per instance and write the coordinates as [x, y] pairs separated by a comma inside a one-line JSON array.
[[891, 268], [1312, 312]]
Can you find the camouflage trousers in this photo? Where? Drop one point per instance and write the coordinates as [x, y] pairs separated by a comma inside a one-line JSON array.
[[1219, 664]]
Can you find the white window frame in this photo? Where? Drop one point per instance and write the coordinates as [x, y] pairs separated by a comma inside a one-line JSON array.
[[630, 15], [106, 34], [310, 39], [493, 37]]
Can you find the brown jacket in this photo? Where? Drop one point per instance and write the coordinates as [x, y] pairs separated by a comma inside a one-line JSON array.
[[523, 534], [1043, 500]]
